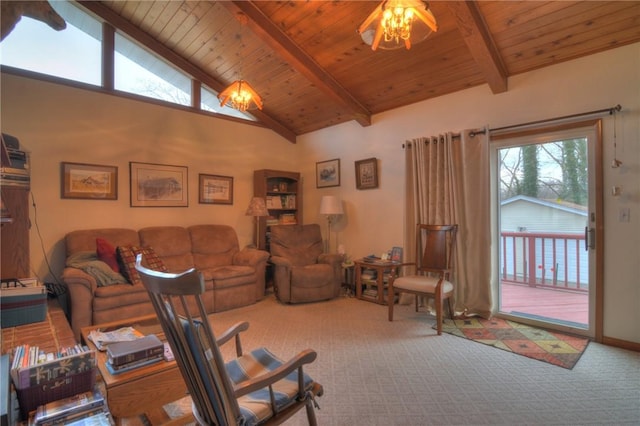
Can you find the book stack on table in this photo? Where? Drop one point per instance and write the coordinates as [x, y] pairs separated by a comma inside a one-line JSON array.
[[127, 355]]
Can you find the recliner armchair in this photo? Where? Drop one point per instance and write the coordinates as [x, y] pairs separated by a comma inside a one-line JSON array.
[[302, 271]]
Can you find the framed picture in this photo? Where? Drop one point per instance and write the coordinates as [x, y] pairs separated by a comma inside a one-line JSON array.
[[367, 173], [216, 189], [88, 181], [396, 254], [328, 173], [158, 185]]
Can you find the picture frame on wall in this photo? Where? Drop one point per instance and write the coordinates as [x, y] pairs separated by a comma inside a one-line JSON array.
[[367, 173], [215, 189], [328, 173], [88, 181], [158, 185]]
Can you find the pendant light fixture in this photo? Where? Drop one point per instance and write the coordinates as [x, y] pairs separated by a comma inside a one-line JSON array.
[[397, 23], [239, 94]]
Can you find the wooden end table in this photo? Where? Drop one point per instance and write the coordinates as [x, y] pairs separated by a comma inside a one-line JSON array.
[[381, 268], [144, 390]]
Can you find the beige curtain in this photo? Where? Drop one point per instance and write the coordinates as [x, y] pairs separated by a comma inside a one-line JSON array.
[[447, 181]]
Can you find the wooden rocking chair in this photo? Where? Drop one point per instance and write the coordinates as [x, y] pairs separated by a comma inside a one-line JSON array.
[[256, 388]]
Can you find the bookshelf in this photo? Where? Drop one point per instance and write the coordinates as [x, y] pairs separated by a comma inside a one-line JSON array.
[[282, 191]]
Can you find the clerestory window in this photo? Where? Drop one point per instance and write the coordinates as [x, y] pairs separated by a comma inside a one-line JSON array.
[[75, 54]]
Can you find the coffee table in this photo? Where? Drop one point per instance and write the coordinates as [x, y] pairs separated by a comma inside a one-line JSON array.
[[144, 390]]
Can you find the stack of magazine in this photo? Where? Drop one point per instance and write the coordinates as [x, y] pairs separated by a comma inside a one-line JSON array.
[[87, 408]]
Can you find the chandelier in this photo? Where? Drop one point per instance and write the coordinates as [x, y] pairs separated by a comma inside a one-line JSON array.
[[241, 96], [397, 23]]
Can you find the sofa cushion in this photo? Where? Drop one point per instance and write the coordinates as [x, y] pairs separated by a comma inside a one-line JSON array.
[[229, 275], [107, 253], [172, 244], [127, 259], [311, 276], [213, 245], [300, 244]]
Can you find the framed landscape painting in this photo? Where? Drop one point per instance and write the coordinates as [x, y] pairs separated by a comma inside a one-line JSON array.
[[88, 181], [158, 185], [328, 173]]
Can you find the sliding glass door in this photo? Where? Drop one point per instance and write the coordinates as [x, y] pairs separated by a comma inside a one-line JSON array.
[[545, 226]]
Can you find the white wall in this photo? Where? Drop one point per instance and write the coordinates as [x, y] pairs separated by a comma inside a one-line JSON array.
[[57, 123], [373, 220]]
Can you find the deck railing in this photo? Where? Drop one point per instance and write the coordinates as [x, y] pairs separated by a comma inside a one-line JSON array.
[[551, 260]]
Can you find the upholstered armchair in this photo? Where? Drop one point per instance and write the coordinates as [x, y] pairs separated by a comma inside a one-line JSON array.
[[302, 271]]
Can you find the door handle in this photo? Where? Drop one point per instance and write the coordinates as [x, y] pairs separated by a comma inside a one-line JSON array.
[[589, 238]]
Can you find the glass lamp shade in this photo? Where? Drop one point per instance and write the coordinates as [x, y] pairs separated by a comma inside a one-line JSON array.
[[257, 207], [241, 96], [398, 23]]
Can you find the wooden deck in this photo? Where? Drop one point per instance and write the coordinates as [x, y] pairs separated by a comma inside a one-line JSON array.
[[541, 302]]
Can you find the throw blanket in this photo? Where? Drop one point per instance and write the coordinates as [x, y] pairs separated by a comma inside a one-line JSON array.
[[89, 263]]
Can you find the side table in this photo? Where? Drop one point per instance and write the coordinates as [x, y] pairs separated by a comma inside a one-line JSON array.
[[382, 270]]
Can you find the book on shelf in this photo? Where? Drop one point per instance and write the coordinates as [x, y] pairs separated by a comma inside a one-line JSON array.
[[32, 366], [288, 219], [118, 369], [281, 201], [63, 410], [120, 353], [273, 202]]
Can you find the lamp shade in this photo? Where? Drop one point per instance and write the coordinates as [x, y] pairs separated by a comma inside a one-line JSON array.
[[329, 205], [257, 207]]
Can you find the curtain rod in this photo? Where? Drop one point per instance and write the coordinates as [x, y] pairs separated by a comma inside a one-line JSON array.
[[609, 111], [472, 133]]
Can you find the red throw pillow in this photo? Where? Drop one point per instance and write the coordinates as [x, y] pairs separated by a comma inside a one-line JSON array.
[[107, 253]]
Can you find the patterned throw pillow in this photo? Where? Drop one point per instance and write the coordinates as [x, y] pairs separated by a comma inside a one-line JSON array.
[[107, 253], [127, 260]]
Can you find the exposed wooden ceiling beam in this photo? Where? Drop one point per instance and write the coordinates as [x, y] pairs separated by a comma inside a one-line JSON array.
[[481, 45], [146, 40], [287, 49]]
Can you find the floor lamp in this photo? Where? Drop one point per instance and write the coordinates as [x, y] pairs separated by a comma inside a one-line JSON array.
[[331, 207], [257, 208]]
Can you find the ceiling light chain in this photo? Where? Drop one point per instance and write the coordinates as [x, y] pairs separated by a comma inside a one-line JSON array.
[[239, 94]]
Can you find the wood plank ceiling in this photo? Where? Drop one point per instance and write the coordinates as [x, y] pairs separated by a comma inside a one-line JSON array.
[[312, 69]]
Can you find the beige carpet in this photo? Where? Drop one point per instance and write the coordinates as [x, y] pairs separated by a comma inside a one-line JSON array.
[[377, 372]]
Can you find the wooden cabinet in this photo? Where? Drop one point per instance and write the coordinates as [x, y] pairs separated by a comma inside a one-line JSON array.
[[14, 236], [282, 192], [14, 232]]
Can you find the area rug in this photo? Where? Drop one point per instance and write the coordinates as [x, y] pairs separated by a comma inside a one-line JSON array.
[[555, 348]]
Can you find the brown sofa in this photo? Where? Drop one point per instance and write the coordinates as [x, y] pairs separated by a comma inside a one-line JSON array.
[[233, 277], [302, 272]]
